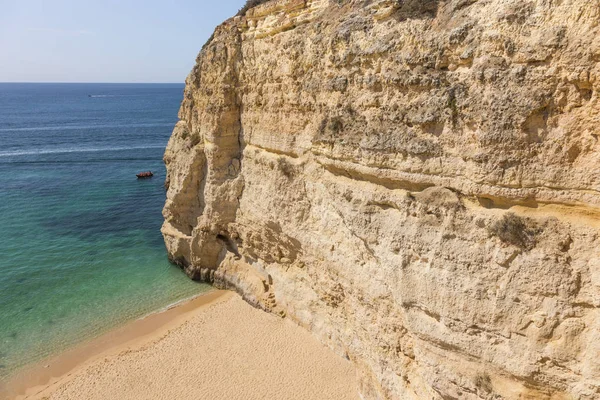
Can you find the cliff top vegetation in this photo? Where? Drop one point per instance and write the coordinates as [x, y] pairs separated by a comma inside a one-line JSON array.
[[250, 4]]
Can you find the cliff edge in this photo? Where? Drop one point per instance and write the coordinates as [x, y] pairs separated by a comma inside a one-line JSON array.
[[416, 182]]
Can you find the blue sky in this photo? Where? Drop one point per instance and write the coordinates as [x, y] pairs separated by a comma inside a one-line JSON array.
[[105, 40]]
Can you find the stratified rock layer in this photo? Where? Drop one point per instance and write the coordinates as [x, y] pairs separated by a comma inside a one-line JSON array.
[[415, 182]]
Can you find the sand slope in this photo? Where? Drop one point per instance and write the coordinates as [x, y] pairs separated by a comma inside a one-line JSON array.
[[227, 350]]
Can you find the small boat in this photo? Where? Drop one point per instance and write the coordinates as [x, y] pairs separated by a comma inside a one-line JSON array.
[[143, 175]]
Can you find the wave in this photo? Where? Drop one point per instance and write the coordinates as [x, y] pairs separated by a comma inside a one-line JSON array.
[[84, 162], [73, 127], [73, 150], [177, 303]]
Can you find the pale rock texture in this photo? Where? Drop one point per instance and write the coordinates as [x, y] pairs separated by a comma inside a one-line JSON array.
[[416, 182]]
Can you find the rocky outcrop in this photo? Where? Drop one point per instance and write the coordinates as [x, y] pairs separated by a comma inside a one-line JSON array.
[[417, 182]]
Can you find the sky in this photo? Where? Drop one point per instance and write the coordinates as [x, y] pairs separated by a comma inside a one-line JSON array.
[[105, 40]]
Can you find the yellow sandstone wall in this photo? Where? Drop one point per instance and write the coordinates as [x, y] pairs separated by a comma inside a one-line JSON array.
[[416, 182]]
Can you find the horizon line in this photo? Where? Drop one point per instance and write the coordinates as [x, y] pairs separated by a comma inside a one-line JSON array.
[[111, 83]]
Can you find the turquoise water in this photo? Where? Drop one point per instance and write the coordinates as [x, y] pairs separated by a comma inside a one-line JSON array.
[[80, 243]]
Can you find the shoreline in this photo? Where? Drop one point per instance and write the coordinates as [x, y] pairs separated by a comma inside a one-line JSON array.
[[215, 346], [37, 378]]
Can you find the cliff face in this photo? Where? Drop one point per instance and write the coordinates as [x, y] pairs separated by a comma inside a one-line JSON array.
[[417, 182]]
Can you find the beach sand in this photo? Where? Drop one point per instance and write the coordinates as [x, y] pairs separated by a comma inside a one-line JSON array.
[[215, 347]]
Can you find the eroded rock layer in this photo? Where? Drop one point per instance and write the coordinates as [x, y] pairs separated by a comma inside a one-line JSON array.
[[417, 182]]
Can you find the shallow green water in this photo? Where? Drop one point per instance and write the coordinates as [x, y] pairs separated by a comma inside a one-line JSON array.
[[80, 243]]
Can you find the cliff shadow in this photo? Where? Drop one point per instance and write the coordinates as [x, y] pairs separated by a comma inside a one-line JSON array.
[[416, 9]]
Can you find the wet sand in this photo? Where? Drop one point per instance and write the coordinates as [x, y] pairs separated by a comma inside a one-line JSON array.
[[213, 347]]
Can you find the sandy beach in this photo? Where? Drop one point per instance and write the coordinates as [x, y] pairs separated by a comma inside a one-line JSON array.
[[214, 347]]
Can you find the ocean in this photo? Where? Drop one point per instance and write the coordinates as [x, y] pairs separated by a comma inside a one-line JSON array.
[[80, 244]]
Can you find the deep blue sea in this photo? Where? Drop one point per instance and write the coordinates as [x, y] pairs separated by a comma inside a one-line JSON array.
[[80, 243]]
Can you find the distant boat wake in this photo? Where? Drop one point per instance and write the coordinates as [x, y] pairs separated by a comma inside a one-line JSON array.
[[112, 95]]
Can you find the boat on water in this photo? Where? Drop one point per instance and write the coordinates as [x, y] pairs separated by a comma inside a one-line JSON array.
[[144, 175]]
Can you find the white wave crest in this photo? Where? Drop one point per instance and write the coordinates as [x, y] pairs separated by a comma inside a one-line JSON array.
[[73, 127], [72, 150]]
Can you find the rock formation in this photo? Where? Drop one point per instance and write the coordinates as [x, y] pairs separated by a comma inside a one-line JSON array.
[[416, 182]]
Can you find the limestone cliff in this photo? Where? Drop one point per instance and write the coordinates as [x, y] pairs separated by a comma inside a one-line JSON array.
[[417, 182]]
